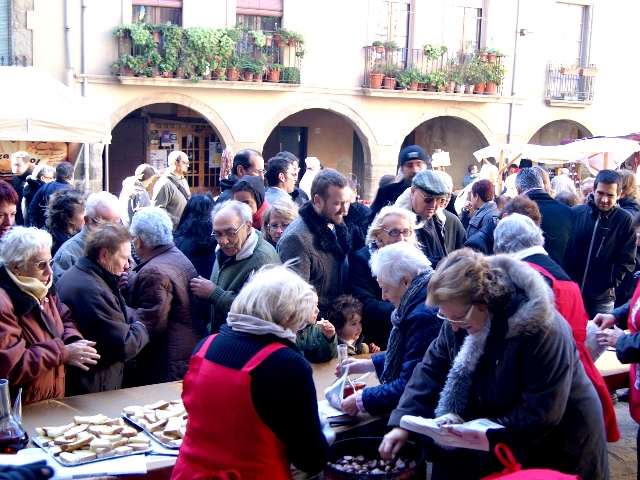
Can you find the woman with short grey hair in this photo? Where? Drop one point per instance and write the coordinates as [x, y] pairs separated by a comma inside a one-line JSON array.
[[153, 227], [516, 233], [239, 381], [403, 273], [38, 337]]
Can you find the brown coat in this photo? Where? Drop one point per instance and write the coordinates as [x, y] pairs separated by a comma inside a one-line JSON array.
[[32, 341], [159, 296]]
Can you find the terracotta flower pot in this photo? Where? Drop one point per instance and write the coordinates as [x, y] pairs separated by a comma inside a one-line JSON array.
[[268, 39], [451, 87], [232, 74], [468, 88], [248, 75], [389, 83], [273, 76], [279, 42], [127, 72], [483, 57], [167, 74], [431, 88], [379, 48], [479, 88], [491, 88], [257, 77], [375, 80], [252, 40], [413, 86], [178, 73], [156, 36], [491, 57]]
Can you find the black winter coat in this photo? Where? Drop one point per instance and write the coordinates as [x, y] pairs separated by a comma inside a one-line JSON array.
[[556, 224], [38, 207], [387, 195], [92, 295]]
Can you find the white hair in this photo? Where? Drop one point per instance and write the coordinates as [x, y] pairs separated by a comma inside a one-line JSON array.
[[25, 156], [22, 243], [446, 178], [42, 170], [378, 221], [516, 232], [105, 200], [391, 263], [153, 226], [312, 162], [276, 294], [174, 156], [241, 209], [564, 171]]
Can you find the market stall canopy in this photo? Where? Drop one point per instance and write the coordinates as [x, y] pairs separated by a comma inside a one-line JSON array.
[[36, 107]]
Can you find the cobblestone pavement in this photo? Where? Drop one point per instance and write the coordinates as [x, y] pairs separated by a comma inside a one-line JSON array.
[[622, 454]]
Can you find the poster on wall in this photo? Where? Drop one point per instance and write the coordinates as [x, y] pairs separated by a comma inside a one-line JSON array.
[[174, 141], [154, 138], [215, 154], [49, 153], [165, 140], [158, 160]]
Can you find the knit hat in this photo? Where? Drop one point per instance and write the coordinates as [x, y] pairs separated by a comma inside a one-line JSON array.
[[312, 162], [144, 172], [430, 181], [412, 152]]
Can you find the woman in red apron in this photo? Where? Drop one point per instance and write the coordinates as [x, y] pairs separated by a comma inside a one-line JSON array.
[[249, 392]]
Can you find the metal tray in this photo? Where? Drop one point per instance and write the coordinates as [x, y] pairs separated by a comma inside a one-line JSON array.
[[138, 425], [46, 449]]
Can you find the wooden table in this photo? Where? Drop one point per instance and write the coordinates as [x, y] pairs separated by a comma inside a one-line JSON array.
[[615, 374]]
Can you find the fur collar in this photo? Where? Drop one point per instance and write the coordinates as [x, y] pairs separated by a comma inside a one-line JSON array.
[[323, 237], [531, 311]]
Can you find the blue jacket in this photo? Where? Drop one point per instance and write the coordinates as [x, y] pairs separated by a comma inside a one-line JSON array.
[[419, 327]]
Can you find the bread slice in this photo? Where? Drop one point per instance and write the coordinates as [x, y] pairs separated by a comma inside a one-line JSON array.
[[92, 420], [86, 455], [76, 445], [99, 443], [69, 458], [173, 426], [123, 450], [138, 447]]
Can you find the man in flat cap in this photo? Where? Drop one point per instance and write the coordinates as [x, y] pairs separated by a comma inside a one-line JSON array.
[[412, 159], [428, 192]]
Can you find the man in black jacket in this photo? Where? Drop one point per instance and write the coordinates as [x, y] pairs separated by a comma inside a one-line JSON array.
[[604, 245], [246, 162], [38, 206], [412, 159], [556, 216]]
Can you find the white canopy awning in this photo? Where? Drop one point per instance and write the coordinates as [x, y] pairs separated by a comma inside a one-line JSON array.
[[36, 107]]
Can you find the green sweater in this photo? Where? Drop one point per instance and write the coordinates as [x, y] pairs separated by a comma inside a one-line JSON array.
[[314, 346], [232, 275]]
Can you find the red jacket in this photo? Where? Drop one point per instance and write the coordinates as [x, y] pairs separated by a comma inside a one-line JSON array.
[[32, 342]]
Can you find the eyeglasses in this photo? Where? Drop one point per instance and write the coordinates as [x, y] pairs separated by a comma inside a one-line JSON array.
[[41, 265], [257, 170], [227, 233], [394, 232], [428, 199], [461, 322], [275, 226]]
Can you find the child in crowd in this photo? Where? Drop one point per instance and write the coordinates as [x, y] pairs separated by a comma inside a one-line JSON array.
[[345, 313], [317, 342]]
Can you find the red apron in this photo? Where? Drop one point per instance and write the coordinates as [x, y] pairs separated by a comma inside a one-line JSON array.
[[634, 391], [570, 305], [226, 439]]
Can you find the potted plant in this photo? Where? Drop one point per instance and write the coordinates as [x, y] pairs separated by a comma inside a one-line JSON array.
[[390, 46], [291, 75], [477, 75], [434, 51], [273, 74], [198, 51], [572, 70], [402, 80], [483, 53], [234, 64], [154, 59], [588, 72], [125, 66], [495, 76], [172, 45], [413, 76], [452, 67], [257, 38], [438, 80], [456, 77], [376, 76], [390, 72], [378, 46]]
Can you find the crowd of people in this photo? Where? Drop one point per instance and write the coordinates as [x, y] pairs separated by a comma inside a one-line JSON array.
[[474, 305]]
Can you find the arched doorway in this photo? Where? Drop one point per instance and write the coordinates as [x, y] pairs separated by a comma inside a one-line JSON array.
[[320, 133], [554, 132], [449, 134]]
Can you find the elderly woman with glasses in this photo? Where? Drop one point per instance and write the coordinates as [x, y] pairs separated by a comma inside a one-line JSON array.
[[391, 224], [90, 289], [277, 218], [403, 273], [506, 354], [38, 337], [239, 253]]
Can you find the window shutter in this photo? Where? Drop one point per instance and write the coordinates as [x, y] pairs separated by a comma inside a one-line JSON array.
[[158, 3], [261, 8], [5, 47]]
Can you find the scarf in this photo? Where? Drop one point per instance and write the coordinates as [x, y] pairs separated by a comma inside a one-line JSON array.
[[256, 326], [257, 217], [528, 252], [247, 248], [31, 286], [396, 346], [455, 394]]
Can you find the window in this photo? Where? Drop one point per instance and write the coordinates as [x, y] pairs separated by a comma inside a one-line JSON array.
[[259, 8], [158, 12], [5, 32], [464, 26], [571, 30], [392, 21]]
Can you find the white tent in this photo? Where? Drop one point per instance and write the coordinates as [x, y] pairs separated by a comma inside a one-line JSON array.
[[36, 107]]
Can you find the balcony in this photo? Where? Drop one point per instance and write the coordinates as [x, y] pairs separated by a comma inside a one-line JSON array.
[[572, 86], [170, 54], [409, 72]]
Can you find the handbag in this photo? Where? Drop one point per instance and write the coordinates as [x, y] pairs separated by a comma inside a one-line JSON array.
[[513, 470]]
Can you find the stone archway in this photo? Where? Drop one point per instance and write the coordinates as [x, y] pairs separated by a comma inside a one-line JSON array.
[[216, 121], [360, 127], [552, 131]]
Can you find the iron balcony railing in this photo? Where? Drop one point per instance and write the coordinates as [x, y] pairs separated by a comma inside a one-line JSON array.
[[571, 83]]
